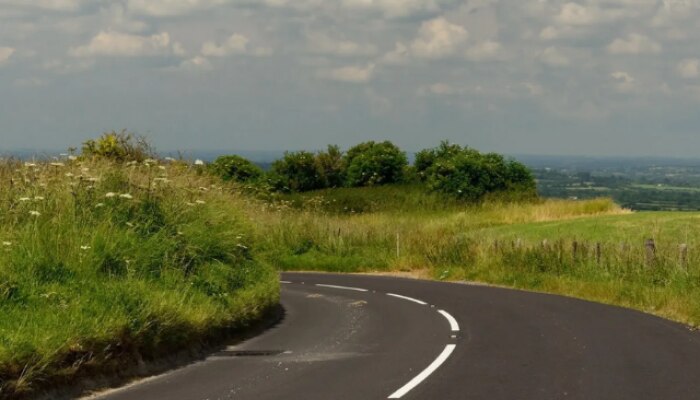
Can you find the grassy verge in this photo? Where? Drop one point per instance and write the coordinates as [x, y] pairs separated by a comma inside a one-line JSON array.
[[589, 249], [105, 265]]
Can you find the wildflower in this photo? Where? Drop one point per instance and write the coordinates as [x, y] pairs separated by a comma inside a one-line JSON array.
[[110, 195], [161, 167], [29, 165], [34, 213], [7, 244], [85, 247], [203, 189], [24, 199], [198, 162], [72, 158], [242, 246], [200, 202], [69, 175], [129, 224], [99, 205], [57, 164], [126, 196], [39, 198], [169, 159], [190, 204]]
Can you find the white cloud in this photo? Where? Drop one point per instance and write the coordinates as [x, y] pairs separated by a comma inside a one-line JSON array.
[[549, 33], [689, 68], [399, 55], [553, 57], [438, 38], [235, 44], [197, 63], [5, 54], [52, 5], [169, 8], [623, 81], [352, 74], [395, 8], [578, 14], [320, 43], [634, 44], [485, 51], [115, 44]]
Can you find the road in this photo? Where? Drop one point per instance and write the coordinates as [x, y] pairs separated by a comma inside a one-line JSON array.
[[368, 337]]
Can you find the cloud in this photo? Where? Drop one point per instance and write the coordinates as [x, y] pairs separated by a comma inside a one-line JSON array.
[[485, 51], [553, 57], [398, 56], [623, 81], [397, 8], [634, 44], [438, 38], [689, 68], [578, 14], [115, 44], [351, 74], [320, 43], [51, 5], [170, 8], [197, 63], [5, 54], [233, 45]]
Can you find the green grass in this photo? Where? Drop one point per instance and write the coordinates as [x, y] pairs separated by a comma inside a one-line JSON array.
[[498, 243], [104, 265]]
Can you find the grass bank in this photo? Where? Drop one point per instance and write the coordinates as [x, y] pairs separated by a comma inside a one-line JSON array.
[[590, 249], [103, 266]]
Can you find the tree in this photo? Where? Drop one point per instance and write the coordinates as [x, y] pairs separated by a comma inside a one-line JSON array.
[[372, 163], [235, 168], [297, 172], [469, 174], [119, 146], [332, 166]]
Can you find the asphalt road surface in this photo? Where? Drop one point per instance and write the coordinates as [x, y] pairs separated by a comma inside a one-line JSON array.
[[362, 337]]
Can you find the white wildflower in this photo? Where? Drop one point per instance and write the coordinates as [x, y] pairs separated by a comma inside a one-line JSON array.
[[126, 196], [29, 165], [203, 189], [200, 202], [242, 246], [110, 195], [39, 198], [198, 162], [24, 199], [99, 205], [161, 167], [34, 213], [85, 247], [7, 244], [129, 224], [57, 164], [190, 204], [72, 158], [69, 175]]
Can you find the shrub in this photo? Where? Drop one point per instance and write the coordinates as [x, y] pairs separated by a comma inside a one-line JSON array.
[[119, 146], [371, 163], [470, 175], [332, 166], [235, 168], [297, 172]]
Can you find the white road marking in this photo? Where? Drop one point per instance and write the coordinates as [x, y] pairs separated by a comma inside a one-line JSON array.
[[285, 282], [425, 374], [342, 287], [398, 296], [454, 326]]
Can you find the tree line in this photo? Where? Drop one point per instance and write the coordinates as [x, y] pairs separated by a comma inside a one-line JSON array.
[[455, 170]]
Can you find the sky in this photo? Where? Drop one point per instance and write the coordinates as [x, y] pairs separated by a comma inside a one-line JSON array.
[[589, 77]]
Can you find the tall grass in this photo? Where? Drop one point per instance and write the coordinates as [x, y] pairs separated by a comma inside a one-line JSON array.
[[524, 245], [103, 265]]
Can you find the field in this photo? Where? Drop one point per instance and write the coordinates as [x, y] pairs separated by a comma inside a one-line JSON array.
[[104, 266], [591, 249]]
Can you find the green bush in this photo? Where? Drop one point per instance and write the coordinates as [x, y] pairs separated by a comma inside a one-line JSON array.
[[235, 168], [371, 163], [332, 166], [297, 172], [471, 175], [118, 146]]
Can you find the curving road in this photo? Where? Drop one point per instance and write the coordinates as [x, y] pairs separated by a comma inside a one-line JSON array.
[[367, 337]]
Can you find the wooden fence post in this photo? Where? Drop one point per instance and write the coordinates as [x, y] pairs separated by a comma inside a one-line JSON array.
[[598, 252], [545, 245], [683, 256], [650, 247], [574, 250]]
